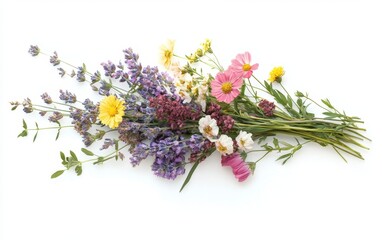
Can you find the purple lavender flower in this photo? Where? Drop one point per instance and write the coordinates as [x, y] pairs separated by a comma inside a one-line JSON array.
[[140, 152], [169, 151], [28, 106], [68, 97], [55, 117], [104, 90], [107, 143], [84, 119], [195, 143], [34, 50], [81, 73], [151, 83], [61, 72], [54, 59], [109, 68], [96, 77], [88, 139], [47, 99]]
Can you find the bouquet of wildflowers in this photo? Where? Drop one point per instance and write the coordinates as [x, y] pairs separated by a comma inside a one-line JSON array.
[[180, 117]]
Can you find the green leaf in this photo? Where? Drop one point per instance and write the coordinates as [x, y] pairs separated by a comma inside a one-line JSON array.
[[14, 107], [243, 155], [58, 134], [73, 155], [287, 155], [87, 152], [276, 143], [78, 170], [62, 155], [23, 134], [299, 94], [290, 102], [57, 174], [252, 166], [327, 103], [299, 102], [190, 175], [331, 115], [24, 124], [35, 136]]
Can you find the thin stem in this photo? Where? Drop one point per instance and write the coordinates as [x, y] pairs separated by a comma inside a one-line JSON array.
[[47, 128]]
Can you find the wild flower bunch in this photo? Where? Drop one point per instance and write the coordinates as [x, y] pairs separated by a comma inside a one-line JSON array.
[[180, 117]]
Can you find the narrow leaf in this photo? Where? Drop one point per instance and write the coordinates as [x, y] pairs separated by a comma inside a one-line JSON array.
[[35, 136], [62, 155], [73, 156], [58, 134], [78, 170], [87, 152], [24, 124], [190, 174], [23, 134], [57, 174]]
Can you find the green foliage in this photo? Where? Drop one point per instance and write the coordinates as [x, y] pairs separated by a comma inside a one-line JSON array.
[[57, 173]]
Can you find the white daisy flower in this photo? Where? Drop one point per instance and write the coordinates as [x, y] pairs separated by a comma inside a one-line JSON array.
[[224, 145], [244, 141], [208, 127]]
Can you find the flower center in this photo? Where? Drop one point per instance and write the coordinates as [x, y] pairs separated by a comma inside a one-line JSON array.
[[168, 54], [112, 111], [222, 148], [227, 87], [242, 142], [246, 67], [208, 130]]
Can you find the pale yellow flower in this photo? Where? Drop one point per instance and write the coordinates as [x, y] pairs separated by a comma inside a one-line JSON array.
[[166, 53], [207, 46], [276, 74], [111, 111]]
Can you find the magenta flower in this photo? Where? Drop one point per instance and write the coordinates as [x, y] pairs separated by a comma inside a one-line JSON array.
[[226, 86], [242, 65], [240, 169]]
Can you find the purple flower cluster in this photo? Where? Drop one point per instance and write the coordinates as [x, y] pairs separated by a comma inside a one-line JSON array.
[[47, 99], [84, 119], [54, 59], [169, 151], [172, 110], [68, 97], [150, 82], [267, 107], [224, 122]]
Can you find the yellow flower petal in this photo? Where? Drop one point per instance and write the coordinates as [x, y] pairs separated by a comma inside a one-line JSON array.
[[111, 111]]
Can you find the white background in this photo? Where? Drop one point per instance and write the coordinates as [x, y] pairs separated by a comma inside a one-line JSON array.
[[328, 48]]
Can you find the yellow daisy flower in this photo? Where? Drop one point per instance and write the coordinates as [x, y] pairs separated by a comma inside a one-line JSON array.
[[111, 111], [167, 52], [276, 74]]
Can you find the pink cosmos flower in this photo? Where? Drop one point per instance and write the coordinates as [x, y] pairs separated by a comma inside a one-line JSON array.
[[242, 65], [226, 86], [240, 169]]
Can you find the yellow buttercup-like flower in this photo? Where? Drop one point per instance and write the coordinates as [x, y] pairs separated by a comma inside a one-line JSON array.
[[276, 74], [167, 52], [111, 111]]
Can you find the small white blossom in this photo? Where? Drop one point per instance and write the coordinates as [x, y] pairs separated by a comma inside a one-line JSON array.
[[224, 145], [208, 127], [244, 141]]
